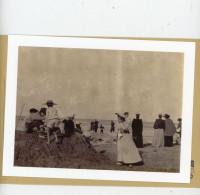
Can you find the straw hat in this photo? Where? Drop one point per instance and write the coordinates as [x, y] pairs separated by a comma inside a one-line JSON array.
[[120, 115], [49, 102], [166, 115]]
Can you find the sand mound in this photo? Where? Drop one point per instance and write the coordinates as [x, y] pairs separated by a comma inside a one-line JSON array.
[[74, 152]]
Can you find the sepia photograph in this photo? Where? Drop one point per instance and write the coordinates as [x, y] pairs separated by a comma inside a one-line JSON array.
[[99, 109]]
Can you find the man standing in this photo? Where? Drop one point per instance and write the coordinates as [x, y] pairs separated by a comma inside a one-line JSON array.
[[92, 126], [137, 128], [170, 130], [96, 123], [112, 127]]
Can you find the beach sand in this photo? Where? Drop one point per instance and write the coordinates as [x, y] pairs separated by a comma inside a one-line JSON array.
[[92, 151]]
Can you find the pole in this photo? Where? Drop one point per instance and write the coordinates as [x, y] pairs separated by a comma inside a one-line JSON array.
[[19, 116]]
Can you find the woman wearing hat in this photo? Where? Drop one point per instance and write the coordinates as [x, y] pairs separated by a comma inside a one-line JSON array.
[[127, 152], [170, 130], [159, 126]]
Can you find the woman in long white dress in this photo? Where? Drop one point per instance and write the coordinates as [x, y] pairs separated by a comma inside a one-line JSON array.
[[159, 126], [127, 152]]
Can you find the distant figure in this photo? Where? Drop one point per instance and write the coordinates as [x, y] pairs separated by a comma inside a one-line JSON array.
[[52, 120], [112, 129], [92, 126], [78, 127], [170, 130], [101, 128], [127, 152], [137, 128], [35, 119], [159, 126], [178, 131], [96, 123]]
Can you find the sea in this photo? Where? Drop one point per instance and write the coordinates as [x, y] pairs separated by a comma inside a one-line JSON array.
[[148, 131]]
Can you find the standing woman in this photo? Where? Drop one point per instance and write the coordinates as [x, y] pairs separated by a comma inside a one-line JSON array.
[[170, 130], [159, 126], [127, 152]]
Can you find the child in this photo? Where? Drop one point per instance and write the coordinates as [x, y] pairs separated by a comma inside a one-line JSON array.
[[101, 129], [178, 131], [52, 120]]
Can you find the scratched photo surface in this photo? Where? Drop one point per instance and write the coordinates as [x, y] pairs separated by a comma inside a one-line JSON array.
[[87, 87]]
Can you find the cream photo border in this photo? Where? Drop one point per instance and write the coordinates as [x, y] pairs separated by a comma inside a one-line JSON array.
[[14, 41]]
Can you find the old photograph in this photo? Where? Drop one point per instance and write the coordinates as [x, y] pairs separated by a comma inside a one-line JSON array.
[[99, 109]]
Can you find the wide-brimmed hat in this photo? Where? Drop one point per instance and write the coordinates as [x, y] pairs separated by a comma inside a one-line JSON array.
[[71, 116], [49, 102], [120, 115], [166, 115], [179, 119]]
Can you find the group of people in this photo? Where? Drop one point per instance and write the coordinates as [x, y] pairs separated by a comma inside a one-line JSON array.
[[164, 130], [47, 121], [127, 148], [94, 125], [129, 132]]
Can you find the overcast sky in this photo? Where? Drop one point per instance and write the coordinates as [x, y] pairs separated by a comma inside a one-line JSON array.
[[98, 83]]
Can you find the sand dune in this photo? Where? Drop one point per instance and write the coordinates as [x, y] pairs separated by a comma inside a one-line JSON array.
[[98, 151]]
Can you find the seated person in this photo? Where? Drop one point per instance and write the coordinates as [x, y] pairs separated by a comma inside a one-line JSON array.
[[35, 119], [78, 127]]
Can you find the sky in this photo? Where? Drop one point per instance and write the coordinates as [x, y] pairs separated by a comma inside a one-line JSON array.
[[94, 84]]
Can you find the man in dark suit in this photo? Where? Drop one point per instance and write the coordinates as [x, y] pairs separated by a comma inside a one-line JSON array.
[[96, 123], [137, 128]]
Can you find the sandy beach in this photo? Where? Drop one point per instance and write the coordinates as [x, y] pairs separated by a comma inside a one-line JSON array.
[[91, 150]]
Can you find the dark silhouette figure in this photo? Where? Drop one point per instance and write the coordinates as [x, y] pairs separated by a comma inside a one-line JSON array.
[[92, 126], [96, 123], [101, 129], [112, 127], [78, 128], [137, 128], [69, 127]]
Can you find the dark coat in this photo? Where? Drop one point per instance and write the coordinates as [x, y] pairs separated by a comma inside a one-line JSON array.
[[69, 127], [137, 125], [137, 128]]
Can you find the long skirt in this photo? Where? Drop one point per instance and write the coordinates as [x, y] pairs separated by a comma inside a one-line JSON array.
[[158, 139], [168, 141], [127, 150], [138, 139]]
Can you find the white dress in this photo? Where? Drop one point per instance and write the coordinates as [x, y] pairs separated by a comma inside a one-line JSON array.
[[127, 151], [158, 139]]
